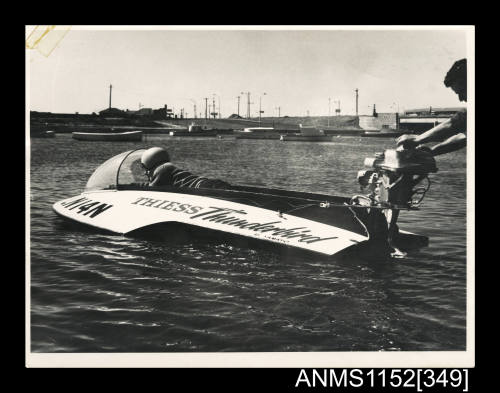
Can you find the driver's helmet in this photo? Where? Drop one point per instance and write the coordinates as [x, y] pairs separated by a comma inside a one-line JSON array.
[[154, 157]]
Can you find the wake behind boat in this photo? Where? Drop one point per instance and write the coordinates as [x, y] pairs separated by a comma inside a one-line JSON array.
[[115, 199]]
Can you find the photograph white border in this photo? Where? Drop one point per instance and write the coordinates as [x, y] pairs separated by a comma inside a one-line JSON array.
[[403, 359]]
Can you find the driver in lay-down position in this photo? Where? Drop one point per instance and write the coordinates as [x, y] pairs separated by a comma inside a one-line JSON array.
[[161, 172]]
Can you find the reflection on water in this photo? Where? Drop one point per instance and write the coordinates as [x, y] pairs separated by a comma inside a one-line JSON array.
[[95, 292]]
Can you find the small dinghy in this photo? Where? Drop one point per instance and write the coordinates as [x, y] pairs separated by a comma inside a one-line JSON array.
[[43, 134], [129, 136]]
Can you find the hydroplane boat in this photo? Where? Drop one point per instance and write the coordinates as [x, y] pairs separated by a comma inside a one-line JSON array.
[[117, 199]]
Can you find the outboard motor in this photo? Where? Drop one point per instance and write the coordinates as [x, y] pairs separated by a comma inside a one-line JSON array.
[[394, 175], [392, 182]]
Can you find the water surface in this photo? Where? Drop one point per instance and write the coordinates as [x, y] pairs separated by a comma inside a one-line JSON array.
[[92, 292]]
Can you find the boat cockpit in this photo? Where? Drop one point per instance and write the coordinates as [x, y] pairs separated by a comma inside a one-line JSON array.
[[122, 169]]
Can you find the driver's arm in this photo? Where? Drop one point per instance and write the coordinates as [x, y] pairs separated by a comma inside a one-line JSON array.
[[456, 142], [457, 124], [435, 134], [438, 133]]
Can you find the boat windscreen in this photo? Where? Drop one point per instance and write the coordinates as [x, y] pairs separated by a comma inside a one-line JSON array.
[[106, 175], [131, 170]]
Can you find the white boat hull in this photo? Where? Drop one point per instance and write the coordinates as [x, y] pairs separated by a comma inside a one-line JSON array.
[[123, 212]]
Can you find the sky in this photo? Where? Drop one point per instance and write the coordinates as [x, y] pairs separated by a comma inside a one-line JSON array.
[[298, 69]]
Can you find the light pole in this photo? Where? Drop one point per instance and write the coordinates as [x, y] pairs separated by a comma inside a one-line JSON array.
[[110, 88], [260, 106], [329, 110], [248, 103], [213, 103], [194, 107], [357, 97], [238, 105], [218, 101]]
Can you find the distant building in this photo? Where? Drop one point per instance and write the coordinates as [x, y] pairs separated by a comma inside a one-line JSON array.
[[144, 112], [162, 113], [421, 120], [158, 114], [379, 121]]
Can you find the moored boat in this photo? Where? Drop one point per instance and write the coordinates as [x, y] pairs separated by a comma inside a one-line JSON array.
[[43, 134], [257, 133], [129, 136], [307, 134], [194, 130]]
